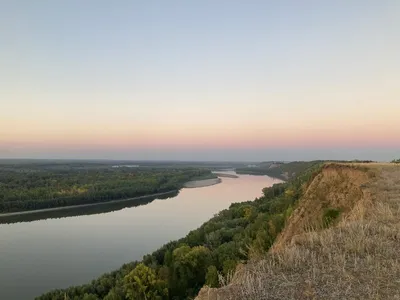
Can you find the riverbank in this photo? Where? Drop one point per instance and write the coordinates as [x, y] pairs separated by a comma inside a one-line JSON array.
[[202, 183], [189, 184], [226, 175], [83, 205]]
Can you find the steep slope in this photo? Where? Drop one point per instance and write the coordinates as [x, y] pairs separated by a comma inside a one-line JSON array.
[[331, 195], [356, 257]]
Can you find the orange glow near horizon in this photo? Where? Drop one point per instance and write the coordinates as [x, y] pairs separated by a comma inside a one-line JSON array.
[[208, 138]]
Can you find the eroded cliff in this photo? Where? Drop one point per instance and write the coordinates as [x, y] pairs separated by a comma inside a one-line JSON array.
[[341, 242]]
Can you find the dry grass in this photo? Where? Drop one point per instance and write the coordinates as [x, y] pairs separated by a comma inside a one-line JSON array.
[[359, 258]]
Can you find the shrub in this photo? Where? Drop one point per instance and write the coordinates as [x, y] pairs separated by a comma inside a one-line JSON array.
[[330, 215], [212, 277]]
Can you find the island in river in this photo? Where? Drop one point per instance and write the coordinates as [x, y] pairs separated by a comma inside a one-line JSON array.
[[37, 187], [201, 183], [189, 184], [227, 175], [208, 182], [62, 189]]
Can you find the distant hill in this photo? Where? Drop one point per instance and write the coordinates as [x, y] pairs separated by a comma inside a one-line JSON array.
[[277, 169]]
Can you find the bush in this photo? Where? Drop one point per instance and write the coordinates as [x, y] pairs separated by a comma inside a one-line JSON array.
[[330, 215], [212, 277]]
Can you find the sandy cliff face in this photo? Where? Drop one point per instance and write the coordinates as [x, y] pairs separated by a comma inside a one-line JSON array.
[[337, 187], [355, 258]]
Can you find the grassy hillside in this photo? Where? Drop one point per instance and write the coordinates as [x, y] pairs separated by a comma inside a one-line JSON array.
[[341, 242]]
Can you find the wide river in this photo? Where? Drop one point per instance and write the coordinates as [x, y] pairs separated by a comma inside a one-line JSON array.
[[41, 255]]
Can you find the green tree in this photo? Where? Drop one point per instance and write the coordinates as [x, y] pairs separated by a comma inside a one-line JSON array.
[[289, 193], [212, 277], [189, 269], [229, 266], [142, 284], [113, 295], [89, 297]]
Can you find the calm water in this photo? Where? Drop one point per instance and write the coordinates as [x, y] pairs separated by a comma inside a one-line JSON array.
[[41, 255]]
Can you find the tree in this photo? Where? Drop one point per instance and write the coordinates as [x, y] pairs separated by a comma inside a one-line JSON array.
[[142, 284], [229, 266], [249, 213], [289, 193], [212, 277], [113, 295], [89, 297], [189, 268]]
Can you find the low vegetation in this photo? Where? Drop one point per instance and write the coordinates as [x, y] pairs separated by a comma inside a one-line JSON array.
[[212, 252], [330, 215]]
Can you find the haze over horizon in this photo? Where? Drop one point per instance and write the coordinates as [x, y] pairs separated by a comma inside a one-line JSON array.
[[206, 80]]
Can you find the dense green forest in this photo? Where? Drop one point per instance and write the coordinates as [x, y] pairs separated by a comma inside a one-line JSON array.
[[40, 186], [206, 255]]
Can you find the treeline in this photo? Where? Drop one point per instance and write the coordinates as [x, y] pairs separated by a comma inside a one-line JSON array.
[[396, 161], [85, 210], [32, 189], [280, 170], [180, 268]]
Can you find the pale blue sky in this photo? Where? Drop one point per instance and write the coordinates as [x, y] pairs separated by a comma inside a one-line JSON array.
[[147, 79]]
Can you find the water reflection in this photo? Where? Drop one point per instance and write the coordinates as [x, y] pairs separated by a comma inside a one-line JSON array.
[[73, 247]]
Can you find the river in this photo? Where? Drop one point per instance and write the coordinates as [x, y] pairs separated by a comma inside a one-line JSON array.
[[63, 250]]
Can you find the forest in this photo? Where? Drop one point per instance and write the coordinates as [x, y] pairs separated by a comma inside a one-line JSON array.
[[41, 186], [208, 255]]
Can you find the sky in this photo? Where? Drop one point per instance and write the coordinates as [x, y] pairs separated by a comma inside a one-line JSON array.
[[200, 80]]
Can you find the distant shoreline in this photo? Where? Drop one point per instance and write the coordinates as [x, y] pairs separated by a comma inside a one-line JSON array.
[[189, 184], [202, 183], [25, 212], [226, 175]]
